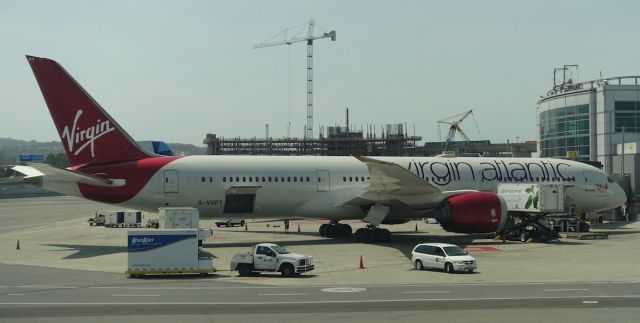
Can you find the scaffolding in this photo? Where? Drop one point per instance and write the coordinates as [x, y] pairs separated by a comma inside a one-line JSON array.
[[339, 142]]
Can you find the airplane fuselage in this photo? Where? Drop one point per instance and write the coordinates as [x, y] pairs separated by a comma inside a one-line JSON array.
[[314, 187]]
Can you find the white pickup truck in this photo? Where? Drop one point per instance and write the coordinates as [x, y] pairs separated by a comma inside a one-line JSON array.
[[271, 257]]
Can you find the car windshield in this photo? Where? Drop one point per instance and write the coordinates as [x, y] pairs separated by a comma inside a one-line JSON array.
[[280, 250], [454, 251]]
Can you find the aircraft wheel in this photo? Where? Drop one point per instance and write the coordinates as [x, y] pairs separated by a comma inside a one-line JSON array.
[[382, 235], [358, 234], [367, 236], [331, 231], [323, 230], [344, 230]]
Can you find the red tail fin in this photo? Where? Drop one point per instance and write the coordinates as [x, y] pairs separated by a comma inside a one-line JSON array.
[[89, 135]]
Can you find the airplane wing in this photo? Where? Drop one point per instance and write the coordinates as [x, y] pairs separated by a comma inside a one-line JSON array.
[[35, 170], [390, 183]]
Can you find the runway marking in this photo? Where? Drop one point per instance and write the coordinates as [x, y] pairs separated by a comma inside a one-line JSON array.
[[15, 294], [280, 302], [302, 294], [46, 286], [427, 292], [344, 290], [481, 249], [364, 285], [589, 302], [135, 295], [566, 290]]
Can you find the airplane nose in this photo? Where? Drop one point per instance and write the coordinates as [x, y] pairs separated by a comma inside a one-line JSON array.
[[619, 195]]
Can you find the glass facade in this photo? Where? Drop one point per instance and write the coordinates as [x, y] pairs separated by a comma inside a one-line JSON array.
[[627, 116], [566, 129]]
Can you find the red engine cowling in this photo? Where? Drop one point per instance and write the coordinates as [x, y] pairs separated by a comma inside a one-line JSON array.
[[474, 212]]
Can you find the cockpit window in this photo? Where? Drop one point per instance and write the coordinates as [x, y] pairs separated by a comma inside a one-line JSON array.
[[609, 179]]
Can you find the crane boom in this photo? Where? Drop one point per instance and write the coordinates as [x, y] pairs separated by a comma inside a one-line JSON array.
[[454, 127], [308, 133], [293, 40]]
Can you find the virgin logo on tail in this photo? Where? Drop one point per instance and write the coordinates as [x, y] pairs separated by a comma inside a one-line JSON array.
[[79, 139]]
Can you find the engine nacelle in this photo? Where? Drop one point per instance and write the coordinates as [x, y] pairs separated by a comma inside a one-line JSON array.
[[473, 212]]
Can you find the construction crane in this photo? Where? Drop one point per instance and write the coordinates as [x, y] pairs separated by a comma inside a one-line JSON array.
[[309, 38], [454, 127]]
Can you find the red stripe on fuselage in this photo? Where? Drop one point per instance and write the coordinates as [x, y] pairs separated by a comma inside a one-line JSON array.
[[136, 174]]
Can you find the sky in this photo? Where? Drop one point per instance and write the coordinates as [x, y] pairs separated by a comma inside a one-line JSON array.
[[177, 70]]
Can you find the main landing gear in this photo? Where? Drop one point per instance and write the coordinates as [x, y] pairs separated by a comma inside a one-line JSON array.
[[334, 229], [370, 234]]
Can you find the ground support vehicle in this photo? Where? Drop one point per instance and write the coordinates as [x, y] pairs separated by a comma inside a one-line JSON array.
[[533, 210], [122, 219], [443, 256], [168, 252], [97, 220], [179, 218], [231, 223], [269, 257], [153, 223]]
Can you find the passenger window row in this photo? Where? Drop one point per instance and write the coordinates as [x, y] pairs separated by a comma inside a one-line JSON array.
[[263, 179], [354, 178], [510, 179]]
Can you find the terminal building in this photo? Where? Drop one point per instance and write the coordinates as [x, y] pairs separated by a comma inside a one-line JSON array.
[[596, 121]]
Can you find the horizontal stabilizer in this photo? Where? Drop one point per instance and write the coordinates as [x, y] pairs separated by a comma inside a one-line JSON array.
[[64, 175], [28, 171]]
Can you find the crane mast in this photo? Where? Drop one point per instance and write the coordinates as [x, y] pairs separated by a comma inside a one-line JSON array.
[[308, 130]]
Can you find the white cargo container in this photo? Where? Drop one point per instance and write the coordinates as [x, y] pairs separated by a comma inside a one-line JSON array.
[[179, 218], [168, 252], [122, 218], [113, 219], [132, 218], [535, 198]]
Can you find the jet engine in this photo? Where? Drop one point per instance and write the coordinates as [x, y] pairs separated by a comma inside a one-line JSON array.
[[473, 212]]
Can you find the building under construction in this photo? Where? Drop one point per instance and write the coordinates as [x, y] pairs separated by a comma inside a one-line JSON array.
[[340, 141]]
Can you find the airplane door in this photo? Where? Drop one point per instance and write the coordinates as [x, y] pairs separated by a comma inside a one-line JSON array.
[[589, 184], [324, 183], [171, 181]]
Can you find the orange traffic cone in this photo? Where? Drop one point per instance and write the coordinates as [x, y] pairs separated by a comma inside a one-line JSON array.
[[361, 262], [18, 245], [298, 227], [246, 227]]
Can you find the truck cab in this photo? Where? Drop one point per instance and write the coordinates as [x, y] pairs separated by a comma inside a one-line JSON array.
[[271, 257]]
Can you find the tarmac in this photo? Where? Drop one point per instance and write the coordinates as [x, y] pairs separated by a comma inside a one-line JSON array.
[[53, 232]]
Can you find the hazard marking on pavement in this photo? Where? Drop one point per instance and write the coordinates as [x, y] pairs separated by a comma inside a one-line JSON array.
[[481, 249]]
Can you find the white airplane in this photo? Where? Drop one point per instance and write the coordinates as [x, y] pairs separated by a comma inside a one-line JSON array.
[[108, 166]]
